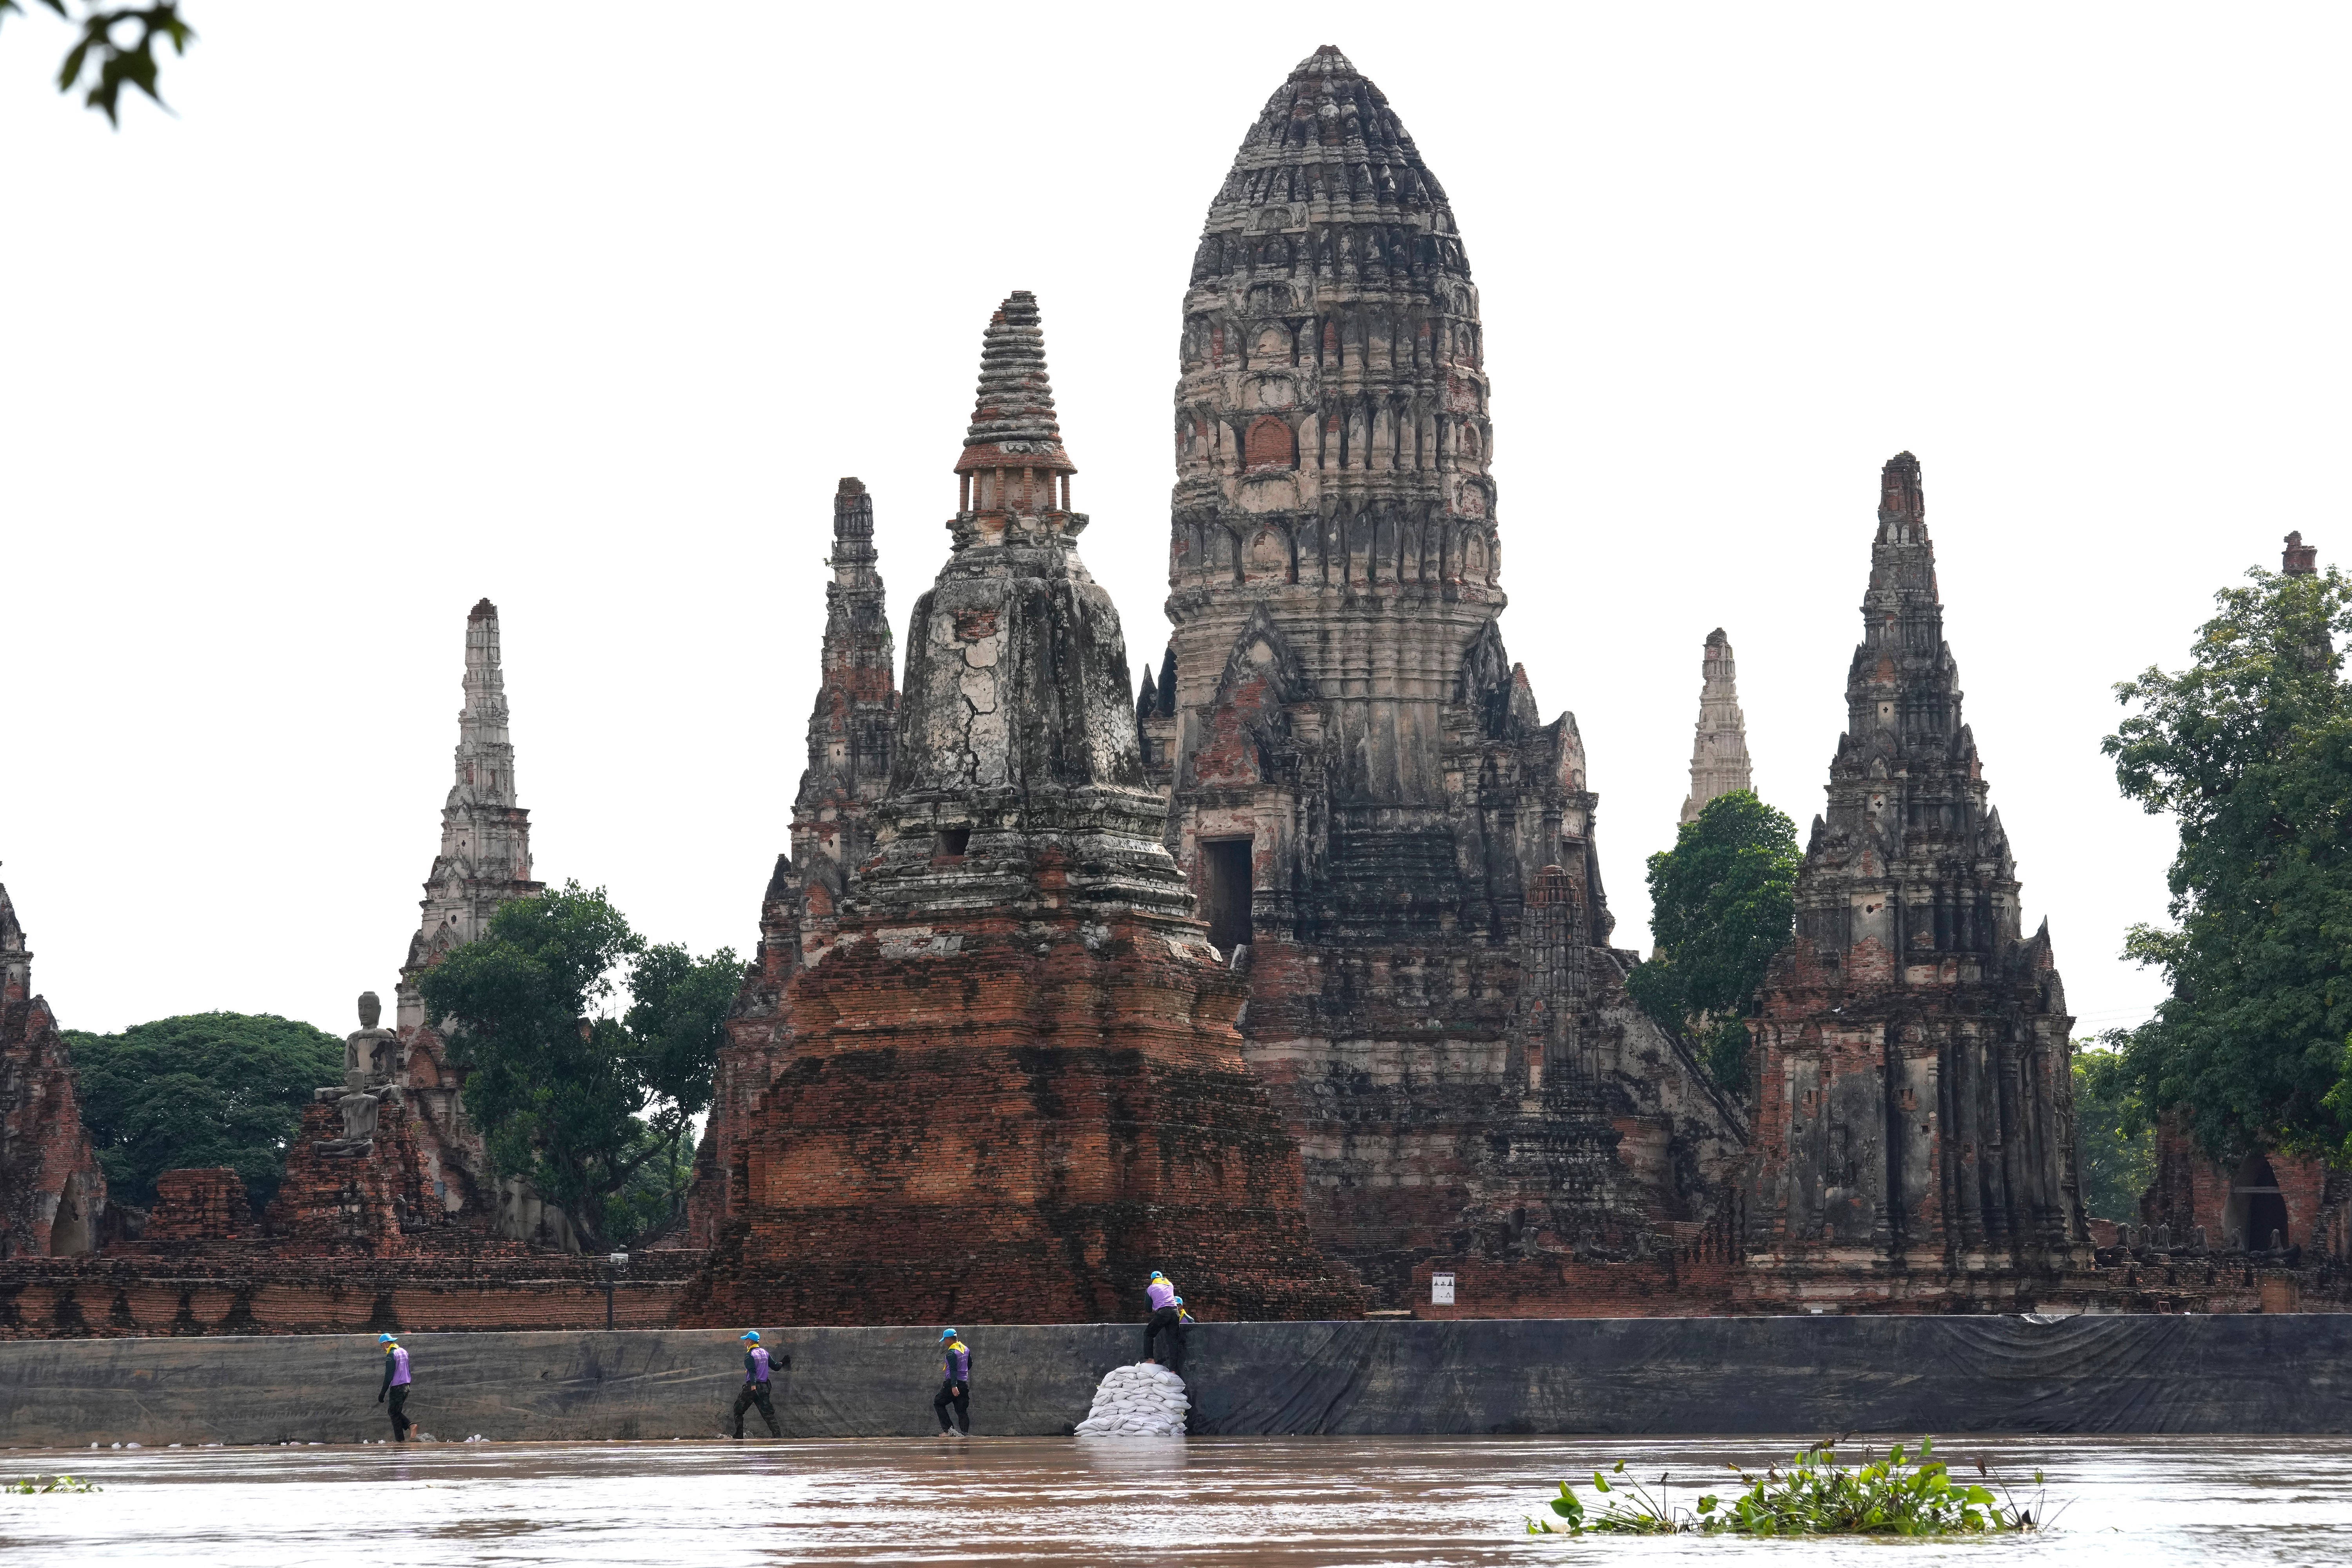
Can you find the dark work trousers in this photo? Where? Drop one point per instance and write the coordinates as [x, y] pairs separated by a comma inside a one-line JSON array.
[[400, 1421], [757, 1393], [1165, 1321], [958, 1394]]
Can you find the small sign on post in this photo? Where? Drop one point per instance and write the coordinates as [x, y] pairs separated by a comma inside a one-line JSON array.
[[1441, 1289]]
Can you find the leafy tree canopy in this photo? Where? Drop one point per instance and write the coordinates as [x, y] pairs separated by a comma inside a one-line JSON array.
[[116, 49], [1722, 903], [206, 1089], [2112, 1130], [588, 1107], [2250, 751]]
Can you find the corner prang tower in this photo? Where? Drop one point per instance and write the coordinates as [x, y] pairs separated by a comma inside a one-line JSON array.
[[1916, 1104]]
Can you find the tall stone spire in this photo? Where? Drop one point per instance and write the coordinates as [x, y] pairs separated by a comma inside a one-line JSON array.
[[485, 860], [852, 736], [1914, 1104], [1720, 751], [1362, 787], [851, 730], [485, 857]]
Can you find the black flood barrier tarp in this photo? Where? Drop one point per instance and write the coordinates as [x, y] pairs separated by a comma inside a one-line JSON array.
[[1802, 1376]]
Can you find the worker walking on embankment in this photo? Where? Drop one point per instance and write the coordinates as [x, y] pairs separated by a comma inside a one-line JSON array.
[[396, 1387], [756, 1372], [1167, 1318], [955, 1384]]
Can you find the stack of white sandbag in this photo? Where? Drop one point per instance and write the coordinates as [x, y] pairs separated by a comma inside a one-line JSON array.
[[1139, 1401]]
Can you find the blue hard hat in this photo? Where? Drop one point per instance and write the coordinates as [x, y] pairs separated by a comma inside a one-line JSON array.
[[384, 1339], [752, 1335], [946, 1334], [1179, 1301], [1157, 1275]]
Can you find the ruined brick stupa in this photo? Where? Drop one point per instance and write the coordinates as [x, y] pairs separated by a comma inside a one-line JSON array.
[[1009, 1083], [1915, 1111]]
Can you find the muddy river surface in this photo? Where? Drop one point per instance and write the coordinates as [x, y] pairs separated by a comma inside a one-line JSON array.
[[2208, 1502]]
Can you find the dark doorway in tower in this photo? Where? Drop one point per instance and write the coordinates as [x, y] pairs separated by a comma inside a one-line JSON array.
[[2256, 1206], [1227, 906]]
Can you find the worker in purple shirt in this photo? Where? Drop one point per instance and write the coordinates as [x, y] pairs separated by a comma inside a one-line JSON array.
[[756, 1372], [1166, 1318], [955, 1384], [396, 1387]]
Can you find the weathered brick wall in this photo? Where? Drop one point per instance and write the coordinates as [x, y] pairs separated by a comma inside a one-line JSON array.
[[198, 1206], [2192, 1191], [243, 1289]]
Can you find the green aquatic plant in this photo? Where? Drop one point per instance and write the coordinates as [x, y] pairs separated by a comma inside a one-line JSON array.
[[26, 1485], [1905, 1493]]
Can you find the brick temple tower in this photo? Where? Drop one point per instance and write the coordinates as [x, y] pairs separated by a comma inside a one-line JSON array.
[[1010, 1084], [1362, 791], [52, 1188], [851, 739], [1916, 1112], [1719, 749]]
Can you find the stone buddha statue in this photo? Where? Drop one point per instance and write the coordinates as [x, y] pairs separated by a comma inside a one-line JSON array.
[[370, 1053]]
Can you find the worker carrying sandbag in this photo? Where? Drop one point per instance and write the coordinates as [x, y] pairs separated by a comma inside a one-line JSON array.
[[1167, 1318]]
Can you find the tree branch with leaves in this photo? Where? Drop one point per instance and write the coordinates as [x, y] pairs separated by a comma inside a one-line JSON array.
[[111, 62]]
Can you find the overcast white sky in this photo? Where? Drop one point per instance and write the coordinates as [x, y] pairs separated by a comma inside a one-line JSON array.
[[587, 308]]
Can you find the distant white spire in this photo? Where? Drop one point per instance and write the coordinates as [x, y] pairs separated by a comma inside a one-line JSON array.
[[1720, 751]]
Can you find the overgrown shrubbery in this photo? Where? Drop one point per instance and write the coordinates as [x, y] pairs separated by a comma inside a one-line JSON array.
[[1902, 1494], [27, 1485]]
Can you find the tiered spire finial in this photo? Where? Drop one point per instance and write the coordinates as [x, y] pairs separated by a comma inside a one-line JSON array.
[[1014, 443], [485, 753]]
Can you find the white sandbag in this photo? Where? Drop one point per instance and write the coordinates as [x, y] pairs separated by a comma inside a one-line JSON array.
[[1138, 1401]]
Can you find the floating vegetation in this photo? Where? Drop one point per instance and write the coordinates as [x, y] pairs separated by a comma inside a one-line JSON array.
[[26, 1485], [1905, 1493]]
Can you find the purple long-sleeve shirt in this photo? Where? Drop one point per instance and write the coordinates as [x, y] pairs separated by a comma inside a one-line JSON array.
[[396, 1369], [1162, 1294]]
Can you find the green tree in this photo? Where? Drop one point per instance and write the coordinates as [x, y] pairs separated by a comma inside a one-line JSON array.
[[108, 52], [2112, 1130], [1722, 903], [206, 1089], [2250, 751], [581, 1104]]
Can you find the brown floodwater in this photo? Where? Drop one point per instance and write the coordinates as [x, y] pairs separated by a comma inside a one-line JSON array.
[[1293, 1501]]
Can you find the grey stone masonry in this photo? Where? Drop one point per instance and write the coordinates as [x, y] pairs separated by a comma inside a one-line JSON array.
[[1720, 750], [1016, 742]]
